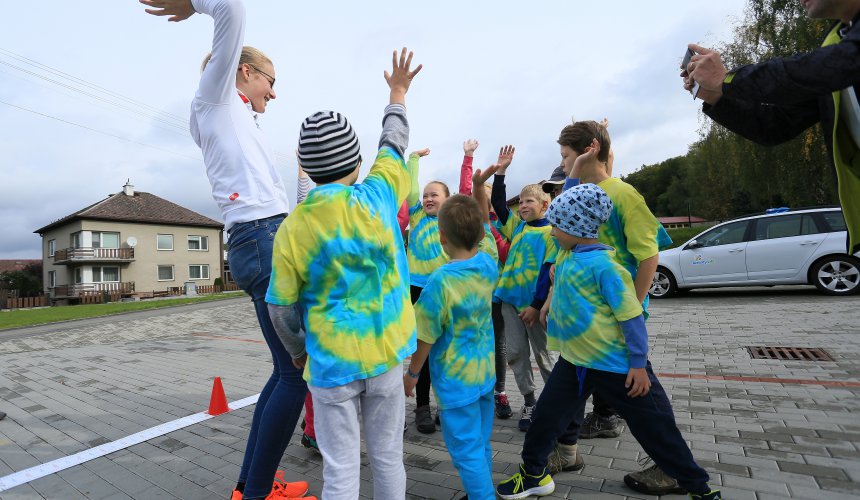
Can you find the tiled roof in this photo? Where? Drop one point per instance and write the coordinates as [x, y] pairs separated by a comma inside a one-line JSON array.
[[8, 265], [140, 207]]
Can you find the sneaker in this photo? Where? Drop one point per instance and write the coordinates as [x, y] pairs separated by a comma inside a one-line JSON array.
[[653, 481], [526, 418], [595, 426], [564, 458], [280, 487], [522, 485], [424, 420], [237, 495], [309, 443], [711, 495], [503, 408]]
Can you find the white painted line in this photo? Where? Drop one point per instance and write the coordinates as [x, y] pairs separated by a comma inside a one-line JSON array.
[[42, 470]]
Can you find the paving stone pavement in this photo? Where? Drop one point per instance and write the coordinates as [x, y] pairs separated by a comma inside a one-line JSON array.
[[72, 386]]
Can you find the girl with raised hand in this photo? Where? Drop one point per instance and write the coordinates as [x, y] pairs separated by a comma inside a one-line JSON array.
[[425, 255]]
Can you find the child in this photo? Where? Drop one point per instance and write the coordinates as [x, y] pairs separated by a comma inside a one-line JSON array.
[[524, 284], [425, 254], [503, 407], [455, 331], [596, 322], [637, 236], [338, 265]]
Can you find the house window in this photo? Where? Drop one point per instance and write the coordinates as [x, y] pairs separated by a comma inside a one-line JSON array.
[[165, 242], [165, 273], [52, 247], [105, 274], [105, 240], [198, 271], [200, 243], [78, 239], [79, 275], [52, 278]]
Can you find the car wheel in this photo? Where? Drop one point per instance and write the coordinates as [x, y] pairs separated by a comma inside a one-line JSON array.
[[837, 275], [663, 285]]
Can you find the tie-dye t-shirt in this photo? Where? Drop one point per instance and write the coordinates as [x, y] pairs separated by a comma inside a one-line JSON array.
[[425, 253], [341, 256], [488, 244], [454, 314], [531, 247], [593, 294]]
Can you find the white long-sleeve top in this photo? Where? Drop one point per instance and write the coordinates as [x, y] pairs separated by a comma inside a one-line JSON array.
[[239, 163]]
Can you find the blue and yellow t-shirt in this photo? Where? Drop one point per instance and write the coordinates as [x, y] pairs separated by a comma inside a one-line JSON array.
[[592, 295], [425, 253], [488, 244], [531, 247], [341, 256], [454, 313]]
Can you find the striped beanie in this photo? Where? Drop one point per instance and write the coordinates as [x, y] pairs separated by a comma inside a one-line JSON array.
[[580, 211], [328, 147]]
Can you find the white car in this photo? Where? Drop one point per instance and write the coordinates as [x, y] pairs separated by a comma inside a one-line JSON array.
[[783, 248]]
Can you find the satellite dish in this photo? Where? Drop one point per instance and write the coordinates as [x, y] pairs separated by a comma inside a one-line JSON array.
[[132, 241]]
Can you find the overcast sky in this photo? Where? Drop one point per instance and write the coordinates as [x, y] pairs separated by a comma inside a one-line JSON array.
[[503, 72]]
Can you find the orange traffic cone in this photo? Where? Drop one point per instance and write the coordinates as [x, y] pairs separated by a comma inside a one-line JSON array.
[[218, 402]]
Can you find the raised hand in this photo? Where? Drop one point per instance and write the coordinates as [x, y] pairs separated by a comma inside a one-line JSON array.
[[506, 156], [604, 122], [587, 156], [421, 152], [479, 177], [470, 146], [400, 77], [178, 10]]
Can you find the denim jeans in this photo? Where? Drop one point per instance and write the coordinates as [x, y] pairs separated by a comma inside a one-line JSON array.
[[281, 399], [649, 417]]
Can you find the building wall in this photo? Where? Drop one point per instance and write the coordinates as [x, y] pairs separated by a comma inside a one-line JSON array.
[[143, 271]]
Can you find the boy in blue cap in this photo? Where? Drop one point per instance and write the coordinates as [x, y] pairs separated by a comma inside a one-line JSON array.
[[596, 324]]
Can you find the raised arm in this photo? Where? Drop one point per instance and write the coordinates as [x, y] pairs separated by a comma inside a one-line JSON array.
[[499, 195], [412, 165], [478, 180], [395, 127], [469, 148], [218, 81]]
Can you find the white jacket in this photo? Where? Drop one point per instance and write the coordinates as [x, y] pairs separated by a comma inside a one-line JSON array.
[[239, 163]]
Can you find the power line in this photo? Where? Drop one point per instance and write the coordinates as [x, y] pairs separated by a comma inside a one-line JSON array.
[[99, 131]]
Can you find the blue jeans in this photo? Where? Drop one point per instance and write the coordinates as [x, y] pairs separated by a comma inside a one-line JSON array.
[[466, 431], [281, 400], [649, 417]]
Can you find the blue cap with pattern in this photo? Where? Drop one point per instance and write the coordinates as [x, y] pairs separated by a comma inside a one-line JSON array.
[[580, 211]]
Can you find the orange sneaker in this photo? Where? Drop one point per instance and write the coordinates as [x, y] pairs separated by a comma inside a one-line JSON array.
[[285, 490], [237, 495]]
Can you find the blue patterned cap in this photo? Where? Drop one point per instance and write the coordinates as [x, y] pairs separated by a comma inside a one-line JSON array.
[[581, 210]]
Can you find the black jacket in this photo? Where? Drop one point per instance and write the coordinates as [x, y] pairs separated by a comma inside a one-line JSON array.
[[774, 101]]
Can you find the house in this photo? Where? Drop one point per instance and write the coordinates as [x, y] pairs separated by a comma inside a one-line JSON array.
[[12, 265], [130, 242], [680, 221]]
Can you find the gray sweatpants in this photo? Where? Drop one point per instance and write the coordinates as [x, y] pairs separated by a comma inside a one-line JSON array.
[[518, 337], [381, 403]]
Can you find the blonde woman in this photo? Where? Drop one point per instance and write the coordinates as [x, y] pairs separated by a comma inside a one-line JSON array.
[[236, 86]]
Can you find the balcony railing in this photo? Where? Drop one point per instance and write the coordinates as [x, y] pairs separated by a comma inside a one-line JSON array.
[[66, 291], [74, 255]]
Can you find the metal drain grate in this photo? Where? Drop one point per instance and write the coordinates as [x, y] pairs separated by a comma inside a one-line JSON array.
[[788, 353]]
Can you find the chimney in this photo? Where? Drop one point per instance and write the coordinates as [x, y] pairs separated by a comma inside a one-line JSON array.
[[128, 189]]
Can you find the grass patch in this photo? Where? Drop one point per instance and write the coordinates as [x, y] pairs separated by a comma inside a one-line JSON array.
[[682, 235], [31, 317]]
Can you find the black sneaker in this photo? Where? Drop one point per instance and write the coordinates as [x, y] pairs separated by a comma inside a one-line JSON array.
[[503, 408], [526, 418], [424, 420], [310, 443], [595, 426]]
